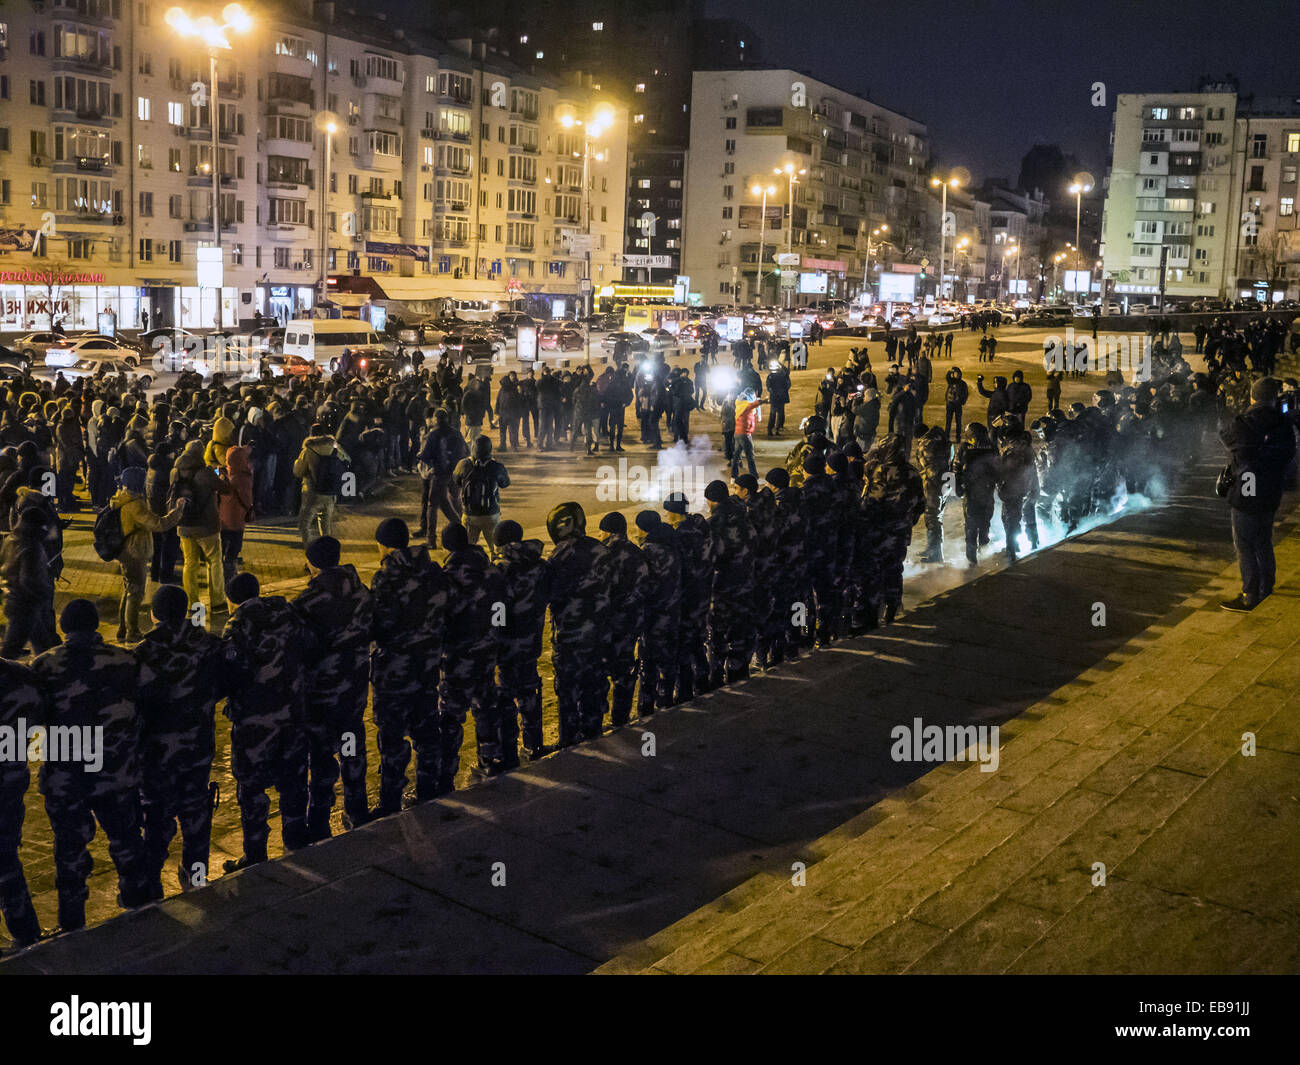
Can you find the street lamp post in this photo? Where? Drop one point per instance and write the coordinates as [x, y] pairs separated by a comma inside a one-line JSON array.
[[1082, 184], [764, 191], [591, 129], [793, 176], [866, 266], [328, 124], [216, 38], [943, 183]]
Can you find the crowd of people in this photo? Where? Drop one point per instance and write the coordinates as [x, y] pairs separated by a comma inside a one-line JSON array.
[[643, 615]]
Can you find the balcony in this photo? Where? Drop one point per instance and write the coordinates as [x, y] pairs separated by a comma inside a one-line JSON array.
[[288, 179], [86, 62], [464, 99], [527, 149], [368, 194], [530, 246], [225, 135], [198, 226], [283, 89], [446, 168], [455, 206], [93, 163]]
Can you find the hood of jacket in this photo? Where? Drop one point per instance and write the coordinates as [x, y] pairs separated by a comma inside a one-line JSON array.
[[223, 431], [191, 459], [524, 551], [238, 459], [321, 445]]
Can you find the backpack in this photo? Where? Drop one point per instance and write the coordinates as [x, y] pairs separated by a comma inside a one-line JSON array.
[[110, 540], [479, 489], [328, 479]]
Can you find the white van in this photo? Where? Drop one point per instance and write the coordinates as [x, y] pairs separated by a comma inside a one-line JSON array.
[[322, 340]]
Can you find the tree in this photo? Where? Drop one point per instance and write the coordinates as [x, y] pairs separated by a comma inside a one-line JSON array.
[[53, 277]]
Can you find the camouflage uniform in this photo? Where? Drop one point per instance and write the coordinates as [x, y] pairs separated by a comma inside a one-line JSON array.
[[177, 705], [519, 686], [266, 647], [761, 508], [1018, 482], [87, 682], [892, 499], [338, 612], [476, 598], [694, 545], [662, 619], [791, 588], [20, 700], [580, 603], [976, 471], [821, 547], [934, 455], [731, 611], [629, 576], [409, 594]]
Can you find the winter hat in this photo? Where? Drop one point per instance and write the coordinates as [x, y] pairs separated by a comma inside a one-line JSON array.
[[716, 491], [676, 503], [647, 520], [242, 588], [1265, 390], [748, 482], [324, 552], [778, 478], [614, 522], [170, 603], [814, 463], [509, 532], [80, 615], [133, 480], [392, 532], [455, 538]]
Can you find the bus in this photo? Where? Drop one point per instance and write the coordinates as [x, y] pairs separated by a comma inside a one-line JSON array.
[[638, 317]]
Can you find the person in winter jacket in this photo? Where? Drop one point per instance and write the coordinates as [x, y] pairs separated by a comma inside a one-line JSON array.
[[223, 435], [441, 450], [748, 413], [998, 402], [236, 507], [1262, 445], [139, 526], [200, 530], [28, 586], [955, 397], [480, 480], [976, 474], [316, 515], [1019, 396]]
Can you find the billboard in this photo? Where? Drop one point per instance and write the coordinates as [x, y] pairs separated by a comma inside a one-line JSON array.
[[1077, 280], [897, 288], [813, 284]]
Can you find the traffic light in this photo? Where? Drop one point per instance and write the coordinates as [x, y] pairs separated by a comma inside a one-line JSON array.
[[777, 272], [923, 273]]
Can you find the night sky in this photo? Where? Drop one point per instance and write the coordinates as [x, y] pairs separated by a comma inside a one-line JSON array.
[[992, 79]]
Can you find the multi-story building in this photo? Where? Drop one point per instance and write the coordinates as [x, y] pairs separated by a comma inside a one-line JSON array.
[[1206, 182], [351, 155], [853, 166], [644, 51]]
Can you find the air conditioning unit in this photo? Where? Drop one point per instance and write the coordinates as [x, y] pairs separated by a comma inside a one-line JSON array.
[[38, 160], [425, 168], [118, 220], [354, 120]]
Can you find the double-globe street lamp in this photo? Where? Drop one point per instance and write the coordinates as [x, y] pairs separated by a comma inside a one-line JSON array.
[[1082, 184], [793, 176], [764, 191], [954, 180], [866, 265], [327, 123], [216, 36], [592, 128]]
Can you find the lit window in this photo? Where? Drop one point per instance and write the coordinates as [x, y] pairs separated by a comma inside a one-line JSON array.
[[640, 86], [597, 26], [1286, 206], [523, 39], [143, 108], [1293, 142], [637, 119], [541, 55]]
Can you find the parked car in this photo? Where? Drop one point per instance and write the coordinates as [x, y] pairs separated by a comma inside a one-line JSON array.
[[1045, 317], [635, 341], [99, 367], [33, 345], [554, 338], [470, 347], [73, 349], [1110, 307], [659, 338], [1209, 305], [1139, 308], [18, 361], [323, 340]]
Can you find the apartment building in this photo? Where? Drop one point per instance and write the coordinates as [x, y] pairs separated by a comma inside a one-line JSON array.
[[853, 165], [351, 156], [1207, 181]]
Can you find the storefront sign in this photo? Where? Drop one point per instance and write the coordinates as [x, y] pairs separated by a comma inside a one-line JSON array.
[[17, 239], [46, 277], [418, 252], [834, 266]]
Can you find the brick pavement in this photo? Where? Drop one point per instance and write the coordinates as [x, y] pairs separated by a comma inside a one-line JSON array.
[[272, 551], [1119, 748]]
